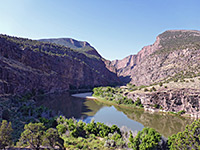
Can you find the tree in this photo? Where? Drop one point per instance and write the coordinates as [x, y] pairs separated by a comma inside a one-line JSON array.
[[188, 139], [146, 139], [32, 135], [52, 139], [61, 129], [5, 134]]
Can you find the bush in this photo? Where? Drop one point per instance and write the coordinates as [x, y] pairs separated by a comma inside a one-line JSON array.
[[148, 139], [128, 101], [137, 102], [153, 88], [81, 129], [191, 80], [61, 129], [188, 139], [175, 80], [156, 106], [181, 112]]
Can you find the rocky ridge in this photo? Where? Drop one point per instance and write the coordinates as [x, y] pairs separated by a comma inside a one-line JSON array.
[[174, 52], [33, 66], [82, 46]]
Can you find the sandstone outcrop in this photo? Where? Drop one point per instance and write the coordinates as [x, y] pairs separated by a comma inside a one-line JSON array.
[[172, 100]]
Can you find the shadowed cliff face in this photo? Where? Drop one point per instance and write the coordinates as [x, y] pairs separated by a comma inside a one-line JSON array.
[[81, 46], [28, 65], [173, 52]]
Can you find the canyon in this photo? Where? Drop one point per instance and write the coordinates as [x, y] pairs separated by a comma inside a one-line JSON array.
[[55, 65], [173, 61]]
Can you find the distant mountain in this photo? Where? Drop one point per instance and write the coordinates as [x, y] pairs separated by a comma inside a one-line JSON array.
[[74, 44], [35, 66], [174, 55]]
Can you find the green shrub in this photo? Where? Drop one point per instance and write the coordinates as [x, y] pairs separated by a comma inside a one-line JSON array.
[[61, 129], [137, 102], [191, 80], [146, 139], [188, 139], [153, 88], [181, 112], [175, 80], [156, 106]]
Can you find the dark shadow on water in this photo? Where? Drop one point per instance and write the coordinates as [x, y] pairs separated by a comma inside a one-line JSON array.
[[64, 104]]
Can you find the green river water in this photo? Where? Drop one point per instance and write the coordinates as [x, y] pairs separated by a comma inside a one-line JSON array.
[[134, 119]]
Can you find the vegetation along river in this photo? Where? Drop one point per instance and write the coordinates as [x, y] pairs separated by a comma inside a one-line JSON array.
[[134, 119]]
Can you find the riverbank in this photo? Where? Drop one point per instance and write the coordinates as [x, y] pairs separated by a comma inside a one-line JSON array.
[[150, 110], [87, 95]]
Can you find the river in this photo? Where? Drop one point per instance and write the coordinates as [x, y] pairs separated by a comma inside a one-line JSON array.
[[136, 119]]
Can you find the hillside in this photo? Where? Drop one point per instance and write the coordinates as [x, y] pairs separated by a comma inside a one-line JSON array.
[[175, 54], [165, 76], [82, 46], [34, 66]]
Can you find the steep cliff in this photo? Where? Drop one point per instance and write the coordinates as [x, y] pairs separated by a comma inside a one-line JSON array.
[[124, 67], [175, 52], [29, 65], [167, 73]]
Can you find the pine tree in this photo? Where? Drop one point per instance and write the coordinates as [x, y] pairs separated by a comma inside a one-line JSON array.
[[52, 139], [5, 134], [32, 135]]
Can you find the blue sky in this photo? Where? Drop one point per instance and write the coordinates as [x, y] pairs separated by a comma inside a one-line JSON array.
[[116, 28]]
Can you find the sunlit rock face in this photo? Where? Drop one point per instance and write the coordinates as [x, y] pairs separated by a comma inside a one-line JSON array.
[[174, 52], [173, 100]]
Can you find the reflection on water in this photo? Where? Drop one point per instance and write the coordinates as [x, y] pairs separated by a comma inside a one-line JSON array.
[[163, 123], [63, 103], [110, 115]]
